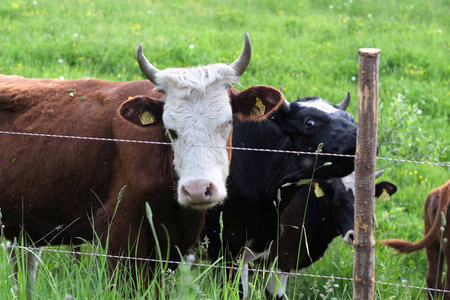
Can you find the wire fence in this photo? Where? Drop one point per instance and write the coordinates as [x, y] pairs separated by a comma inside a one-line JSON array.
[[216, 265], [205, 146]]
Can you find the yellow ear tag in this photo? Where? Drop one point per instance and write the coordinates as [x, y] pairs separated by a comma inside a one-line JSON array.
[[384, 196], [258, 110], [318, 191], [147, 118]]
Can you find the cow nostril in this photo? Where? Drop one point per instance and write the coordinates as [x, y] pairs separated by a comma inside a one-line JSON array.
[[208, 192], [186, 194]]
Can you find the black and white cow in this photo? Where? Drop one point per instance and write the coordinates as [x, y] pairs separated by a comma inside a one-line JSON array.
[[315, 215], [250, 217]]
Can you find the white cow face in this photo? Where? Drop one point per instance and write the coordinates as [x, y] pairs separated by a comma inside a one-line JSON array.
[[197, 115], [198, 120]]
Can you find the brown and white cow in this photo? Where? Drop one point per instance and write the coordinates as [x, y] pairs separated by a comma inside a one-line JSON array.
[[56, 190], [435, 241]]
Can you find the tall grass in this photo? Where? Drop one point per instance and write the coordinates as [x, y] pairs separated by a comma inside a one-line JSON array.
[[308, 47]]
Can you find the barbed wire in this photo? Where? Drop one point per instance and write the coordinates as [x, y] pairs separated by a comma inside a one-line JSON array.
[[205, 146], [219, 267]]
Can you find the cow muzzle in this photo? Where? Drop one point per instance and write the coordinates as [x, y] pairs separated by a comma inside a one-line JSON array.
[[349, 237], [198, 194]]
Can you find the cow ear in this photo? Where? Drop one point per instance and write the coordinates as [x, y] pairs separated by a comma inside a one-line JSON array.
[[256, 102], [385, 187], [142, 111]]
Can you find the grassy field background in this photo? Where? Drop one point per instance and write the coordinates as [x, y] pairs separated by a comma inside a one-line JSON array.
[[310, 48]]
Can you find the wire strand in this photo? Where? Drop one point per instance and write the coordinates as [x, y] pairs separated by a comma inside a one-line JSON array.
[[204, 146], [219, 267]]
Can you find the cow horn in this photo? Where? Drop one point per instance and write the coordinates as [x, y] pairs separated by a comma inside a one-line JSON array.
[[241, 63], [378, 173], [344, 104], [284, 106], [146, 67]]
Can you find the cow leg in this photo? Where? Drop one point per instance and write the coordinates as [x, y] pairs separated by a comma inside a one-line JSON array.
[[10, 248], [244, 281], [434, 273], [31, 260], [77, 250], [249, 256], [446, 283], [276, 286]]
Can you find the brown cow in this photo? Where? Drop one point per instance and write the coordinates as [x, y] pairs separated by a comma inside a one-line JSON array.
[[56, 190], [436, 241]]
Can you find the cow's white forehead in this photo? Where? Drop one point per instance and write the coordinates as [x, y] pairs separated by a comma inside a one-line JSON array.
[[321, 105], [196, 98], [349, 182], [182, 82], [193, 120]]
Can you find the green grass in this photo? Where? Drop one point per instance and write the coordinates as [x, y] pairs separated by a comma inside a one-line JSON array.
[[309, 48]]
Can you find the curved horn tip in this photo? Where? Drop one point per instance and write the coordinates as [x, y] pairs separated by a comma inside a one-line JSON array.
[[344, 103], [248, 43], [285, 106], [378, 173], [247, 36], [242, 62], [139, 50], [146, 67]]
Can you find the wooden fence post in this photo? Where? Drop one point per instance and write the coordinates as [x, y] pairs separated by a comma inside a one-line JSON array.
[[365, 165]]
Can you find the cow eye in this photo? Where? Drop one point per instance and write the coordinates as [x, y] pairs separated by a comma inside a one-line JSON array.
[[173, 134], [310, 123], [225, 125], [225, 129]]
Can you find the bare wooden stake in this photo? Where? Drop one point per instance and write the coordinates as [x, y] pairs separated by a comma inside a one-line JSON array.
[[365, 166]]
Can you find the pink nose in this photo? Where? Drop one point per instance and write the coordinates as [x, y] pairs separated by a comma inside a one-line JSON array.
[[197, 192]]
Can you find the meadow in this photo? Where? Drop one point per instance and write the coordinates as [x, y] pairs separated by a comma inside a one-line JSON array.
[[309, 48]]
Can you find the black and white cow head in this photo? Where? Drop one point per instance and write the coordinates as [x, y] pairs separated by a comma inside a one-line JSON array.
[[312, 121], [344, 202], [337, 215]]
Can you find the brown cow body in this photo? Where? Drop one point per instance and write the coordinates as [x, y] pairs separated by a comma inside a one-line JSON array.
[[53, 185], [437, 250]]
